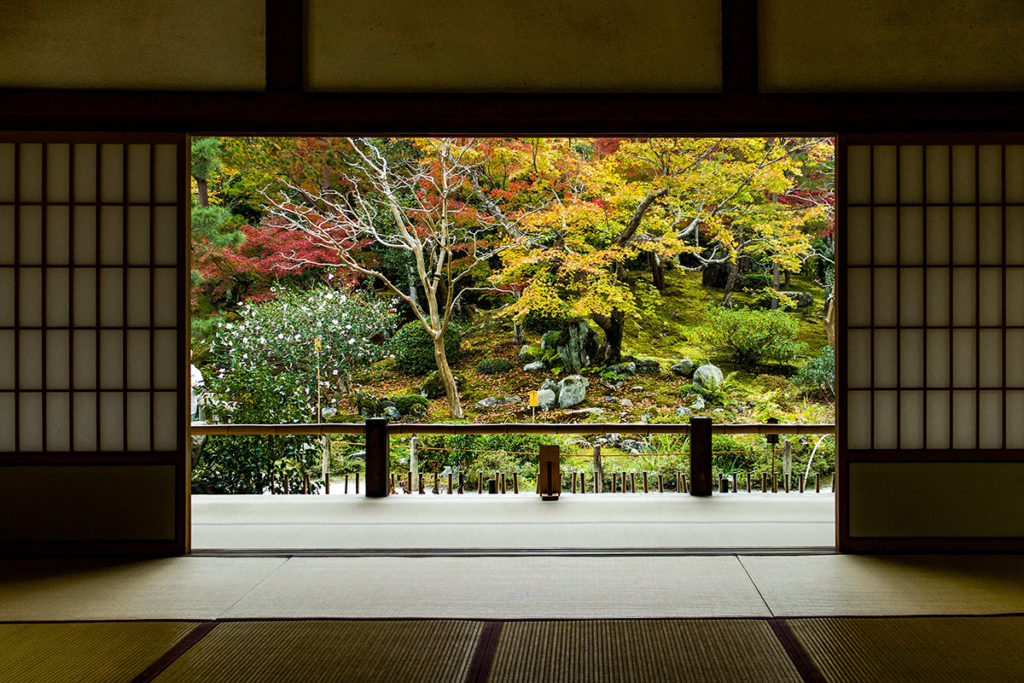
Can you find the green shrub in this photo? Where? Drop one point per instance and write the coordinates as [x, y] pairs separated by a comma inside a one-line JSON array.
[[493, 366], [414, 348], [750, 337], [407, 403], [819, 375], [756, 281]]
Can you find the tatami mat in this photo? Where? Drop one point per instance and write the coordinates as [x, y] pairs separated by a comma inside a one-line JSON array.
[[827, 585], [111, 651], [915, 649], [668, 650], [330, 651]]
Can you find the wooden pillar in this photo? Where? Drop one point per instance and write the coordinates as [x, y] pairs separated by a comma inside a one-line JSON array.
[[549, 478], [377, 457], [700, 456]]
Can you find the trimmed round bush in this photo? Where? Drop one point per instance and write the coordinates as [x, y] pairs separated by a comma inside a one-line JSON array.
[[750, 337], [757, 281], [414, 348], [493, 366]]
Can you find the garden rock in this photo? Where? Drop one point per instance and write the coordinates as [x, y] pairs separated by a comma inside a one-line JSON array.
[[433, 387], [535, 366], [546, 399], [683, 413], [802, 299], [549, 340], [528, 354], [709, 377], [612, 439], [625, 403], [492, 402], [550, 385], [648, 367], [577, 345], [623, 369], [684, 368], [572, 391], [697, 403], [586, 411], [632, 446]]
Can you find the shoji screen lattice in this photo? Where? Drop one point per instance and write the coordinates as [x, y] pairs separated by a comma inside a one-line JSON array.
[[92, 267], [932, 304]]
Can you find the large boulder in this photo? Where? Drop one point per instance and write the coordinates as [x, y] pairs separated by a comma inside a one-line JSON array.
[[528, 354], [433, 386], [546, 399], [684, 368], [493, 402], [708, 377], [551, 385], [577, 346], [549, 339], [535, 366], [633, 446], [622, 369], [572, 391]]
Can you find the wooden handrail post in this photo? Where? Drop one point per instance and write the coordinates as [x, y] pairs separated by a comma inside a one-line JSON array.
[[549, 478], [700, 456], [377, 457]]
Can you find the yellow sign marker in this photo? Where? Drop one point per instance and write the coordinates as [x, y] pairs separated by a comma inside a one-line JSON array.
[[316, 344], [533, 399]]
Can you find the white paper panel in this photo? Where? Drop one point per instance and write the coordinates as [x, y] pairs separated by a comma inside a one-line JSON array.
[[138, 297], [58, 236], [58, 359], [7, 172], [83, 236], [936, 173], [165, 168], [884, 174], [111, 421], [858, 359], [85, 173], [30, 359], [138, 359], [165, 236], [990, 358], [1015, 358], [912, 358], [83, 282], [1015, 419], [58, 421], [965, 296], [85, 436], [165, 297], [964, 174], [111, 359], [885, 236], [7, 243], [30, 421], [911, 236], [859, 297], [165, 354], [111, 173], [858, 174], [111, 297], [1015, 173], [911, 174], [885, 294], [166, 428], [990, 302], [858, 236], [964, 419], [990, 414], [858, 420], [990, 236], [965, 236], [83, 358], [1015, 296], [937, 419], [911, 419], [30, 166], [1014, 235], [30, 297], [7, 302], [886, 422], [911, 297], [7, 360], [58, 172], [965, 358], [138, 421], [885, 365], [30, 236], [937, 231], [7, 405], [990, 174], [138, 174], [58, 297], [937, 282], [138, 235], [111, 236], [937, 360]]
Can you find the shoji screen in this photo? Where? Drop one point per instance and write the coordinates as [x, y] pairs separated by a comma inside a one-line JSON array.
[[931, 362], [92, 339]]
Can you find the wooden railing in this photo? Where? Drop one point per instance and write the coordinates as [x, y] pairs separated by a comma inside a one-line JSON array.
[[378, 432]]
